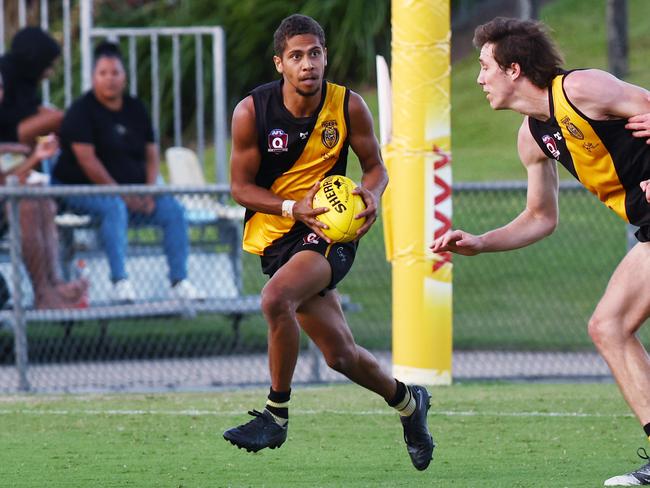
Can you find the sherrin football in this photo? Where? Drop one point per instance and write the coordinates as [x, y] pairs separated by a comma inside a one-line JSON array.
[[335, 193]]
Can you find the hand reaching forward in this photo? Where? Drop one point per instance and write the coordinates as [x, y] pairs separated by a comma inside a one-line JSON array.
[[459, 242], [304, 212]]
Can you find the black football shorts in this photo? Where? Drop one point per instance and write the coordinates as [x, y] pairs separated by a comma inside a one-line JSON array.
[[339, 255]]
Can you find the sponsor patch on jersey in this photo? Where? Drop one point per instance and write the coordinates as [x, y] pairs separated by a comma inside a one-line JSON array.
[[573, 130], [330, 134], [278, 141], [550, 144]]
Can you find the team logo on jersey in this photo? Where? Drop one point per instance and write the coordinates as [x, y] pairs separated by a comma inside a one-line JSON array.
[[573, 130], [550, 144], [330, 134], [311, 238], [590, 146], [278, 141]]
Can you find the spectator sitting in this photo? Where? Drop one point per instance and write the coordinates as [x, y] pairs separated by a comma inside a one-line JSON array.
[[29, 60], [39, 239], [107, 138]]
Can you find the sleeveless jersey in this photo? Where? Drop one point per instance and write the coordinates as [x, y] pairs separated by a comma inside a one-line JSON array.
[[602, 154], [295, 154]]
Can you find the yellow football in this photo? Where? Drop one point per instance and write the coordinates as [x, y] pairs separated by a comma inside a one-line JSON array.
[[335, 193]]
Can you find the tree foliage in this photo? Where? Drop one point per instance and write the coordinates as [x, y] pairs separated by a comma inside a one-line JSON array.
[[356, 31]]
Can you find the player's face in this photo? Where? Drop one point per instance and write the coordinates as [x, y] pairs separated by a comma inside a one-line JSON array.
[[303, 64], [496, 82], [109, 79]]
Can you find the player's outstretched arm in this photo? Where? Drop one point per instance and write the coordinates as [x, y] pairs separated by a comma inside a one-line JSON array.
[[536, 221], [366, 147], [459, 242]]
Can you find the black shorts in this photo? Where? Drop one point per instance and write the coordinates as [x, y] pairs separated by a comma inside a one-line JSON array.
[[339, 255], [643, 234]]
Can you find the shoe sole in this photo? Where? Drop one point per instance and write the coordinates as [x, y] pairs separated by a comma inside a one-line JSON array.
[[251, 449]]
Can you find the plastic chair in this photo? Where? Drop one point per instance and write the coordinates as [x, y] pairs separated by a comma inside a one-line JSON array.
[[185, 169]]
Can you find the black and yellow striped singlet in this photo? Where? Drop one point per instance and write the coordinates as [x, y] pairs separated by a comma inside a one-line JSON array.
[[602, 154], [296, 153]]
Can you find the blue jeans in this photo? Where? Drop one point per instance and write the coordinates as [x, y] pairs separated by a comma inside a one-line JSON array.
[[113, 217]]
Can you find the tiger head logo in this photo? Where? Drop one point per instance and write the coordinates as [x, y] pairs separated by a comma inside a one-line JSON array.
[[330, 134]]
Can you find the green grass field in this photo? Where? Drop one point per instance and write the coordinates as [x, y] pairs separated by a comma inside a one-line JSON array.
[[488, 435]]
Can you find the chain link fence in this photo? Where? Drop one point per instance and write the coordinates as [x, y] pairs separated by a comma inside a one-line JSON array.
[[516, 314]]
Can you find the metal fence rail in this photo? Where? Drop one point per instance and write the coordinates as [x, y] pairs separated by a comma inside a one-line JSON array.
[[215, 264], [521, 314]]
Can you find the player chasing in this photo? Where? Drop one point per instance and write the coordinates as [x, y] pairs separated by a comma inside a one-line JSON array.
[[287, 135], [579, 119]]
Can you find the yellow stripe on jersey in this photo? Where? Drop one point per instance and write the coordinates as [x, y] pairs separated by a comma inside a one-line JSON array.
[[592, 161], [322, 151]]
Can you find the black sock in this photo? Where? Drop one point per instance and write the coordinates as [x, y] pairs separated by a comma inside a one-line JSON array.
[[403, 401], [646, 429], [278, 405], [400, 393]]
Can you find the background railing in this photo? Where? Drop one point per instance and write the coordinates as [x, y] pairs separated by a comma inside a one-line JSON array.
[[175, 120], [519, 314]]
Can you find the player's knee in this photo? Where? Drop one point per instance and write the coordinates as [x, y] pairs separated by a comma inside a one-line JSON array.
[[275, 303], [604, 332], [341, 359]]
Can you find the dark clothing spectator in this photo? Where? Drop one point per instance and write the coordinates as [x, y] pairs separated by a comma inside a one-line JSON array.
[[119, 137], [108, 139], [28, 61]]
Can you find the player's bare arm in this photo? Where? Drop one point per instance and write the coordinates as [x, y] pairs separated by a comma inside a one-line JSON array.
[[366, 147], [536, 221], [602, 96], [244, 164]]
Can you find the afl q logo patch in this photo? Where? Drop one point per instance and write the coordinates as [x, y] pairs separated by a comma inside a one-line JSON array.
[[330, 134], [573, 130], [550, 144], [278, 141]]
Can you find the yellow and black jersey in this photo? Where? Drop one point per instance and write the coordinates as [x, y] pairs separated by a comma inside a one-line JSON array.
[[295, 154], [602, 154]]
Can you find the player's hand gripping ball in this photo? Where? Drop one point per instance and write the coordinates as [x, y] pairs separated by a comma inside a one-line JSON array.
[[335, 193]]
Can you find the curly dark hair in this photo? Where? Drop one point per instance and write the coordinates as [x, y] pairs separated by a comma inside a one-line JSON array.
[[525, 42], [295, 25]]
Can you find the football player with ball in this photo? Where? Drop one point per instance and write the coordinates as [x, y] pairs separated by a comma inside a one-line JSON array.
[[290, 140]]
